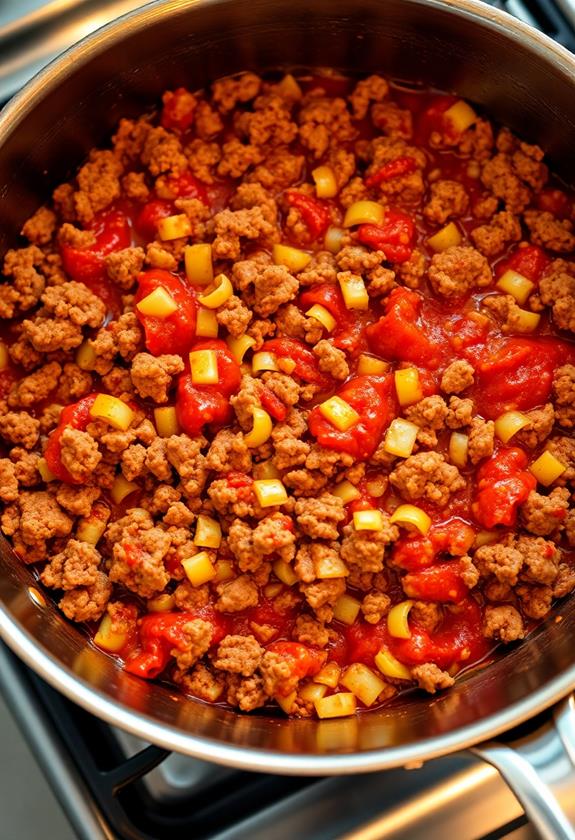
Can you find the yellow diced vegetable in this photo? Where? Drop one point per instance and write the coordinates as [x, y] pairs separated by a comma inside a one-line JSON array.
[[284, 572], [208, 532], [361, 681], [239, 346], [339, 413], [445, 238], [329, 566], [223, 290], [270, 492], [4, 358], [526, 321], [509, 423], [293, 258], [346, 609], [410, 516], [86, 356], [336, 705], [408, 386], [286, 365], [262, 360], [324, 316], [46, 473], [204, 367], [158, 303], [485, 538], [121, 488], [266, 469], [397, 620], [354, 293], [109, 639], [224, 570], [458, 448], [346, 491], [400, 437], [547, 468], [174, 227], [261, 429], [370, 366], [286, 703], [312, 691], [368, 520], [166, 421], [161, 603], [390, 666], [329, 675], [516, 285], [289, 88], [206, 323], [460, 115], [376, 487], [199, 568], [333, 239], [198, 262], [325, 182], [363, 212], [113, 410], [270, 590], [91, 528]]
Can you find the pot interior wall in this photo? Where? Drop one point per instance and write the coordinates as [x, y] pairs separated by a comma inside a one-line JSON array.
[[52, 127]]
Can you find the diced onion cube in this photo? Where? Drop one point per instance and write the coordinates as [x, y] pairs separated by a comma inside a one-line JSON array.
[[509, 423], [354, 293], [371, 366], [547, 468], [262, 360], [312, 692], [270, 492], [198, 262], [515, 284], [361, 681], [261, 429], [223, 290], [239, 346], [121, 488], [333, 239], [46, 473], [208, 532], [397, 623], [400, 437], [339, 413], [346, 491], [408, 386], [206, 323], [325, 182], [174, 227], [346, 609], [159, 304], [336, 705], [161, 603], [460, 115], [204, 367], [199, 568], [86, 356], [294, 259], [166, 421], [109, 639], [368, 520], [321, 314], [445, 238], [458, 448], [363, 212], [390, 666], [411, 516], [113, 410], [329, 675], [284, 572]]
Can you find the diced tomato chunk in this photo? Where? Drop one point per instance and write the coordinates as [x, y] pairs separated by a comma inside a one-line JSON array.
[[201, 405], [178, 109], [74, 416], [395, 236], [399, 335], [307, 364], [314, 213], [303, 662], [146, 223], [393, 169], [555, 201], [177, 332], [528, 260], [442, 582], [503, 484]]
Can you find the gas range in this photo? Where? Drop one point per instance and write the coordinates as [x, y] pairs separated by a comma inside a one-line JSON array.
[[113, 786]]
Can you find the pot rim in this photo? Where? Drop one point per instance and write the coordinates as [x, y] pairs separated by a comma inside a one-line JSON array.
[[165, 735]]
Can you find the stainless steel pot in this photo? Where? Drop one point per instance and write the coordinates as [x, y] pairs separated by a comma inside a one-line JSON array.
[[522, 79]]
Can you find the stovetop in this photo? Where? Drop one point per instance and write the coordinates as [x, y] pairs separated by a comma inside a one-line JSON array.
[[114, 787]]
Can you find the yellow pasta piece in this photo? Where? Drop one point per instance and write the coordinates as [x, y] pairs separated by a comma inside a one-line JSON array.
[[346, 609], [174, 227], [294, 259], [329, 675], [516, 285], [509, 423], [445, 238], [547, 468], [208, 532], [224, 570], [390, 666], [86, 356], [46, 473], [346, 491], [371, 366], [286, 703], [206, 323], [339, 413], [312, 691], [109, 639], [266, 470], [354, 293], [363, 683], [204, 367], [458, 448], [397, 620], [166, 421], [261, 429], [121, 488], [161, 603], [198, 263], [527, 321], [408, 386], [223, 290], [363, 212], [412, 517], [270, 492], [91, 528], [333, 239], [284, 572], [336, 705], [239, 346], [199, 568], [321, 314], [485, 538], [461, 115], [159, 304], [262, 360], [400, 437], [368, 520], [330, 566], [113, 410], [325, 182]]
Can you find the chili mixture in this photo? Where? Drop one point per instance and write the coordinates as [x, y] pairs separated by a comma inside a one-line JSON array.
[[287, 392]]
